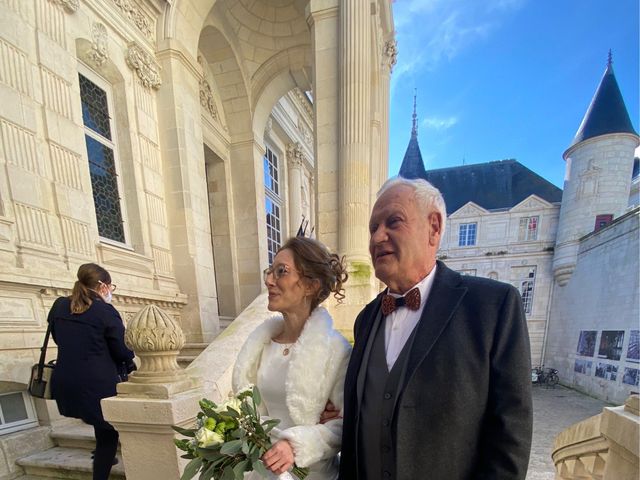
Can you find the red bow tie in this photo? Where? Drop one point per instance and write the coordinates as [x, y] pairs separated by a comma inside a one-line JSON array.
[[411, 300]]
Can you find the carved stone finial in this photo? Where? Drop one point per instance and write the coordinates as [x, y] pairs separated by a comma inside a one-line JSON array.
[[99, 53], [156, 339], [144, 64], [70, 6], [391, 52]]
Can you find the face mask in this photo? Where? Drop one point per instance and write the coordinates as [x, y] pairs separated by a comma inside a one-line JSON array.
[[108, 297]]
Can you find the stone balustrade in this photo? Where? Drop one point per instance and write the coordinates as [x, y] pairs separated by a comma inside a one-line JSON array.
[[603, 447], [161, 394]]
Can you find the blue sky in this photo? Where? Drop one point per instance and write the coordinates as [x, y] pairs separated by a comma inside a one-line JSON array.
[[503, 79]]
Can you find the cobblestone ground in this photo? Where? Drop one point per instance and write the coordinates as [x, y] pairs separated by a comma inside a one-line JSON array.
[[555, 409]]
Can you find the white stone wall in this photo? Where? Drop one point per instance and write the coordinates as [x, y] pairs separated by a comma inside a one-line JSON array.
[[601, 295]]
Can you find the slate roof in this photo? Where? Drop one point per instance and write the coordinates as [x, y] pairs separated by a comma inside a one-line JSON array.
[[607, 112], [492, 185]]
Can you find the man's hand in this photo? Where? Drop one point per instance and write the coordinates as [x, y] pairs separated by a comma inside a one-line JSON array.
[[330, 413], [279, 458]]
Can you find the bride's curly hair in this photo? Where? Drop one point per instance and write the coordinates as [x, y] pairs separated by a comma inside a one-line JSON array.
[[314, 261]]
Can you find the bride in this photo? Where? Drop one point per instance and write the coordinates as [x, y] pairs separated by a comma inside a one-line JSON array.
[[298, 361]]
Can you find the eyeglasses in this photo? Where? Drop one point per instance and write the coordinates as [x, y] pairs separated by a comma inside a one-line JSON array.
[[278, 272], [111, 286]]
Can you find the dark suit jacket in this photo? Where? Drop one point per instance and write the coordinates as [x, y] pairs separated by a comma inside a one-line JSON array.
[[90, 351], [464, 411]]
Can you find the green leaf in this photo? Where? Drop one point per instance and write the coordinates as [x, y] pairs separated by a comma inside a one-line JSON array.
[[232, 447], [240, 468], [232, 412], [228, 474], [208, 473], [257, 399], [209, 454], [182, 444], [259, 467], [245, 447], [191, 469], [188, 456], [187, 432]]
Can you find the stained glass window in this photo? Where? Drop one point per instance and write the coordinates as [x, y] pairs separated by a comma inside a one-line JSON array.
[[102, 164]]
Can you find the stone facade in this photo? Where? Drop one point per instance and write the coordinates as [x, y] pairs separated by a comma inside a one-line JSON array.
[[165, 114], [505, 251]]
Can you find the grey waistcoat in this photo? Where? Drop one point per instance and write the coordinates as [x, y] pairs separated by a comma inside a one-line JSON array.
[[376, 435]]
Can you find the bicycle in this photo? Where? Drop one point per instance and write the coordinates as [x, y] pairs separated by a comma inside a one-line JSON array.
[[545, 376]]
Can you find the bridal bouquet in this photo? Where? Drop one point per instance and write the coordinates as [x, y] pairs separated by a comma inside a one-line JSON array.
[[228, 439]]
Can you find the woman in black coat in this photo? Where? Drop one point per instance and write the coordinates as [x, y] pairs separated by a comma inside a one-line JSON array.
[[91, 356]]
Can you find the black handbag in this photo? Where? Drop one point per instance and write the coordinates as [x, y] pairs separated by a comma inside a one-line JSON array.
[[40, 381]]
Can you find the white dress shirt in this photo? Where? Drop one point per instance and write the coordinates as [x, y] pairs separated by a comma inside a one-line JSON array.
[[402, 321]]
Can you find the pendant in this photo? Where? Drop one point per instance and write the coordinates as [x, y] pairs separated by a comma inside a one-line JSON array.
[[285, 352]]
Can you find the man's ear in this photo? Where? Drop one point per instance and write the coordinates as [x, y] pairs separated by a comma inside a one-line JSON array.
[[435, 224]]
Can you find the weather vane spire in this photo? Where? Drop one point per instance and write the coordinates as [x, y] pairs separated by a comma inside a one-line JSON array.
[[414, 129], [610, 59]]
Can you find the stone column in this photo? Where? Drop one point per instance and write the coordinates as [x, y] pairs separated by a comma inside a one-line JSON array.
[[158, 395], [295, 157], [186, 190], [322, 17], [355, 121]]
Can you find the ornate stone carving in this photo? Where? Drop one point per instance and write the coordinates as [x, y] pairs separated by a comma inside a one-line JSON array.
[[99, 53], [133, 13], [269, 126], [295, 155], [391, 52], [304, 101], [145, 66], [304, 131], [70, 6], [156, 339], [207, 100]]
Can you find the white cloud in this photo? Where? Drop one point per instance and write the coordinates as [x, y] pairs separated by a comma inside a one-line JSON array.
[[432, 31], [437, 123]]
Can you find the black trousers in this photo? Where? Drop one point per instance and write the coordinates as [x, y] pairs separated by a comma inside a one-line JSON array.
[[106, 447]]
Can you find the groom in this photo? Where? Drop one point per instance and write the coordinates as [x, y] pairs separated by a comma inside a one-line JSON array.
[[439, 383]]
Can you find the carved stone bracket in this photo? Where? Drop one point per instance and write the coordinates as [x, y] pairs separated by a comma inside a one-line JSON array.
[[304, 131], [391, 52], [304, 101], [133, 13], [207, 100], [145, 66], [295, 155], [70, 6], [99, 52]]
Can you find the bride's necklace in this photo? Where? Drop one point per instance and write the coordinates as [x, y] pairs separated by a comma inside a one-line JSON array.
[[287, 348]]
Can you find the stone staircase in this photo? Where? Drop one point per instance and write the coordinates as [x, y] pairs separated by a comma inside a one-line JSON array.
[[191, 350], [69, 459]]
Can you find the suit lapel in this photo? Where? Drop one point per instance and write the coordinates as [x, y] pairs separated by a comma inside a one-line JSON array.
[[366, 324], [444, 298]]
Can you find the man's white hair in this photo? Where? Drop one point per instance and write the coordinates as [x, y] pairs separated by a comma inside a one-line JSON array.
[[427, 196]]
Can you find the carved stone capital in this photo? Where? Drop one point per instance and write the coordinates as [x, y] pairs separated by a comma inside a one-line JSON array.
[[156, 339], [144, 64], [70, 6], [99, 52], [295, 155], [391, 52]]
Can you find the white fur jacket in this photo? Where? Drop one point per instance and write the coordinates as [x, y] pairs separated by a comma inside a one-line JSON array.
[[316, 374]]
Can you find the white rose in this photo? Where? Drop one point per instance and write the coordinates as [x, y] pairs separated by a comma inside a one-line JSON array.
[[231, 403], [207, 438]]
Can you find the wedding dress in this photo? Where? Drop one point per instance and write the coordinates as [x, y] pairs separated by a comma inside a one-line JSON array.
[[272, 375]]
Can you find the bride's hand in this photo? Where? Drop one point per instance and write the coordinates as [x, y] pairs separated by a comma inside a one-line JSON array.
[[279, 458]]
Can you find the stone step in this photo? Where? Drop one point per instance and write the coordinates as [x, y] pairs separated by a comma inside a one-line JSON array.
[[76, 435], [64, 463]]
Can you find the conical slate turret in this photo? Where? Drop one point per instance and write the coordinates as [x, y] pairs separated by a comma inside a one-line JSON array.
[[607, 112], [412, 164]]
